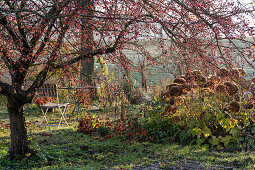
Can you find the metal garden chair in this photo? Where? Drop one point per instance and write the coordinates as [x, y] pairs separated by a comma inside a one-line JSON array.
[[50, 90]]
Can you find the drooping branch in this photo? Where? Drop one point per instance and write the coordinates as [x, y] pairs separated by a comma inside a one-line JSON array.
[[12, 33], [43, 43], [47, 20], [21, 29], [6, 89], [38, 82], [7, 60], [93, 53]]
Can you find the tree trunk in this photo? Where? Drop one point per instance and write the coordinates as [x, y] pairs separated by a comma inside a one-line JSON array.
[[87, 74], [144, 78], [19, 142]]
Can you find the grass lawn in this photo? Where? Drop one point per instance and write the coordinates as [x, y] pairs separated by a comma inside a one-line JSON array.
[[65, 148]]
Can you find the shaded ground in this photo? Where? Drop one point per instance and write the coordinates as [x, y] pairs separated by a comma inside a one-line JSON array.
[[65, 148], [69, 149]]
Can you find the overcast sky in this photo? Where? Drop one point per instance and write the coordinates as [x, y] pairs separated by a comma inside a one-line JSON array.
[[246, 1]]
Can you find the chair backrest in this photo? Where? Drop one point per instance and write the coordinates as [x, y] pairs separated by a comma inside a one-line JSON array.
[[48, 90]]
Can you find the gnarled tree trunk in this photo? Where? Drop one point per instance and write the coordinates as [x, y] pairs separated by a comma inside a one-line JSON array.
[[19, 142]]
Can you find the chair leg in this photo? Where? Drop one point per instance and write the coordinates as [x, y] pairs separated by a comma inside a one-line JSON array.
[[62, 115], [44, 116]]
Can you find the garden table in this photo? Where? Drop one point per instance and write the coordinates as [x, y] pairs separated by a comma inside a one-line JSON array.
[[76, 97]]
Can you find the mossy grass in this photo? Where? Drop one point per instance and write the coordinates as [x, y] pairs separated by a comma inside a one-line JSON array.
[[65, 148]]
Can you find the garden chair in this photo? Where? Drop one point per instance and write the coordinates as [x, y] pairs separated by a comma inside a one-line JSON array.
[[49, 90]]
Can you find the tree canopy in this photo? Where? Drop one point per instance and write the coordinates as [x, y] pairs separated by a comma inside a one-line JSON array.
[[40, 36]]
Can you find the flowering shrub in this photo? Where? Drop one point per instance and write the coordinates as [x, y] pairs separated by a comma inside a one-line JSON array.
[[212, 109]]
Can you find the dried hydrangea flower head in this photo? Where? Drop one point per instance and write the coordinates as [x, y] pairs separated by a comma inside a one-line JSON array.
[[194, 86], [234, 73], [215, 79], [179, 81], [186, 88], [190, 79], [206, 90], [208, 84], [242, 72], [237, 97], [179, 100], [234, 107], [231, 88], [175, 91], [168, 87], [221, 89], [223, 72], [200, 79]]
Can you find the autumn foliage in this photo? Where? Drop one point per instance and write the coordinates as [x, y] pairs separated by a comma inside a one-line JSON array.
[[40, 37]]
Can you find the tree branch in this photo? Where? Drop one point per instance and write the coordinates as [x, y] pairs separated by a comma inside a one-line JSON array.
[[7, 60], [15, 37], [93, 53], [6, 89]]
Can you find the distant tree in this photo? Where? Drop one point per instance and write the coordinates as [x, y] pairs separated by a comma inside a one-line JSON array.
[[87, 72], [35, 34]]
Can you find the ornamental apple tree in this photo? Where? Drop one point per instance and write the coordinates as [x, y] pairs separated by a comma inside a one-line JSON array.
[[35, 33]]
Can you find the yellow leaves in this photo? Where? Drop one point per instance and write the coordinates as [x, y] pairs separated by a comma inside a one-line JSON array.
[[94, 125], [155, 98], [149, 107], [207, 132], [3, 152], [28, 155], [103, 65], [198, 132]]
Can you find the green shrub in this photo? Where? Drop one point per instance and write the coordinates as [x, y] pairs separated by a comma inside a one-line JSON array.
[[103, 131], [164, 130]]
